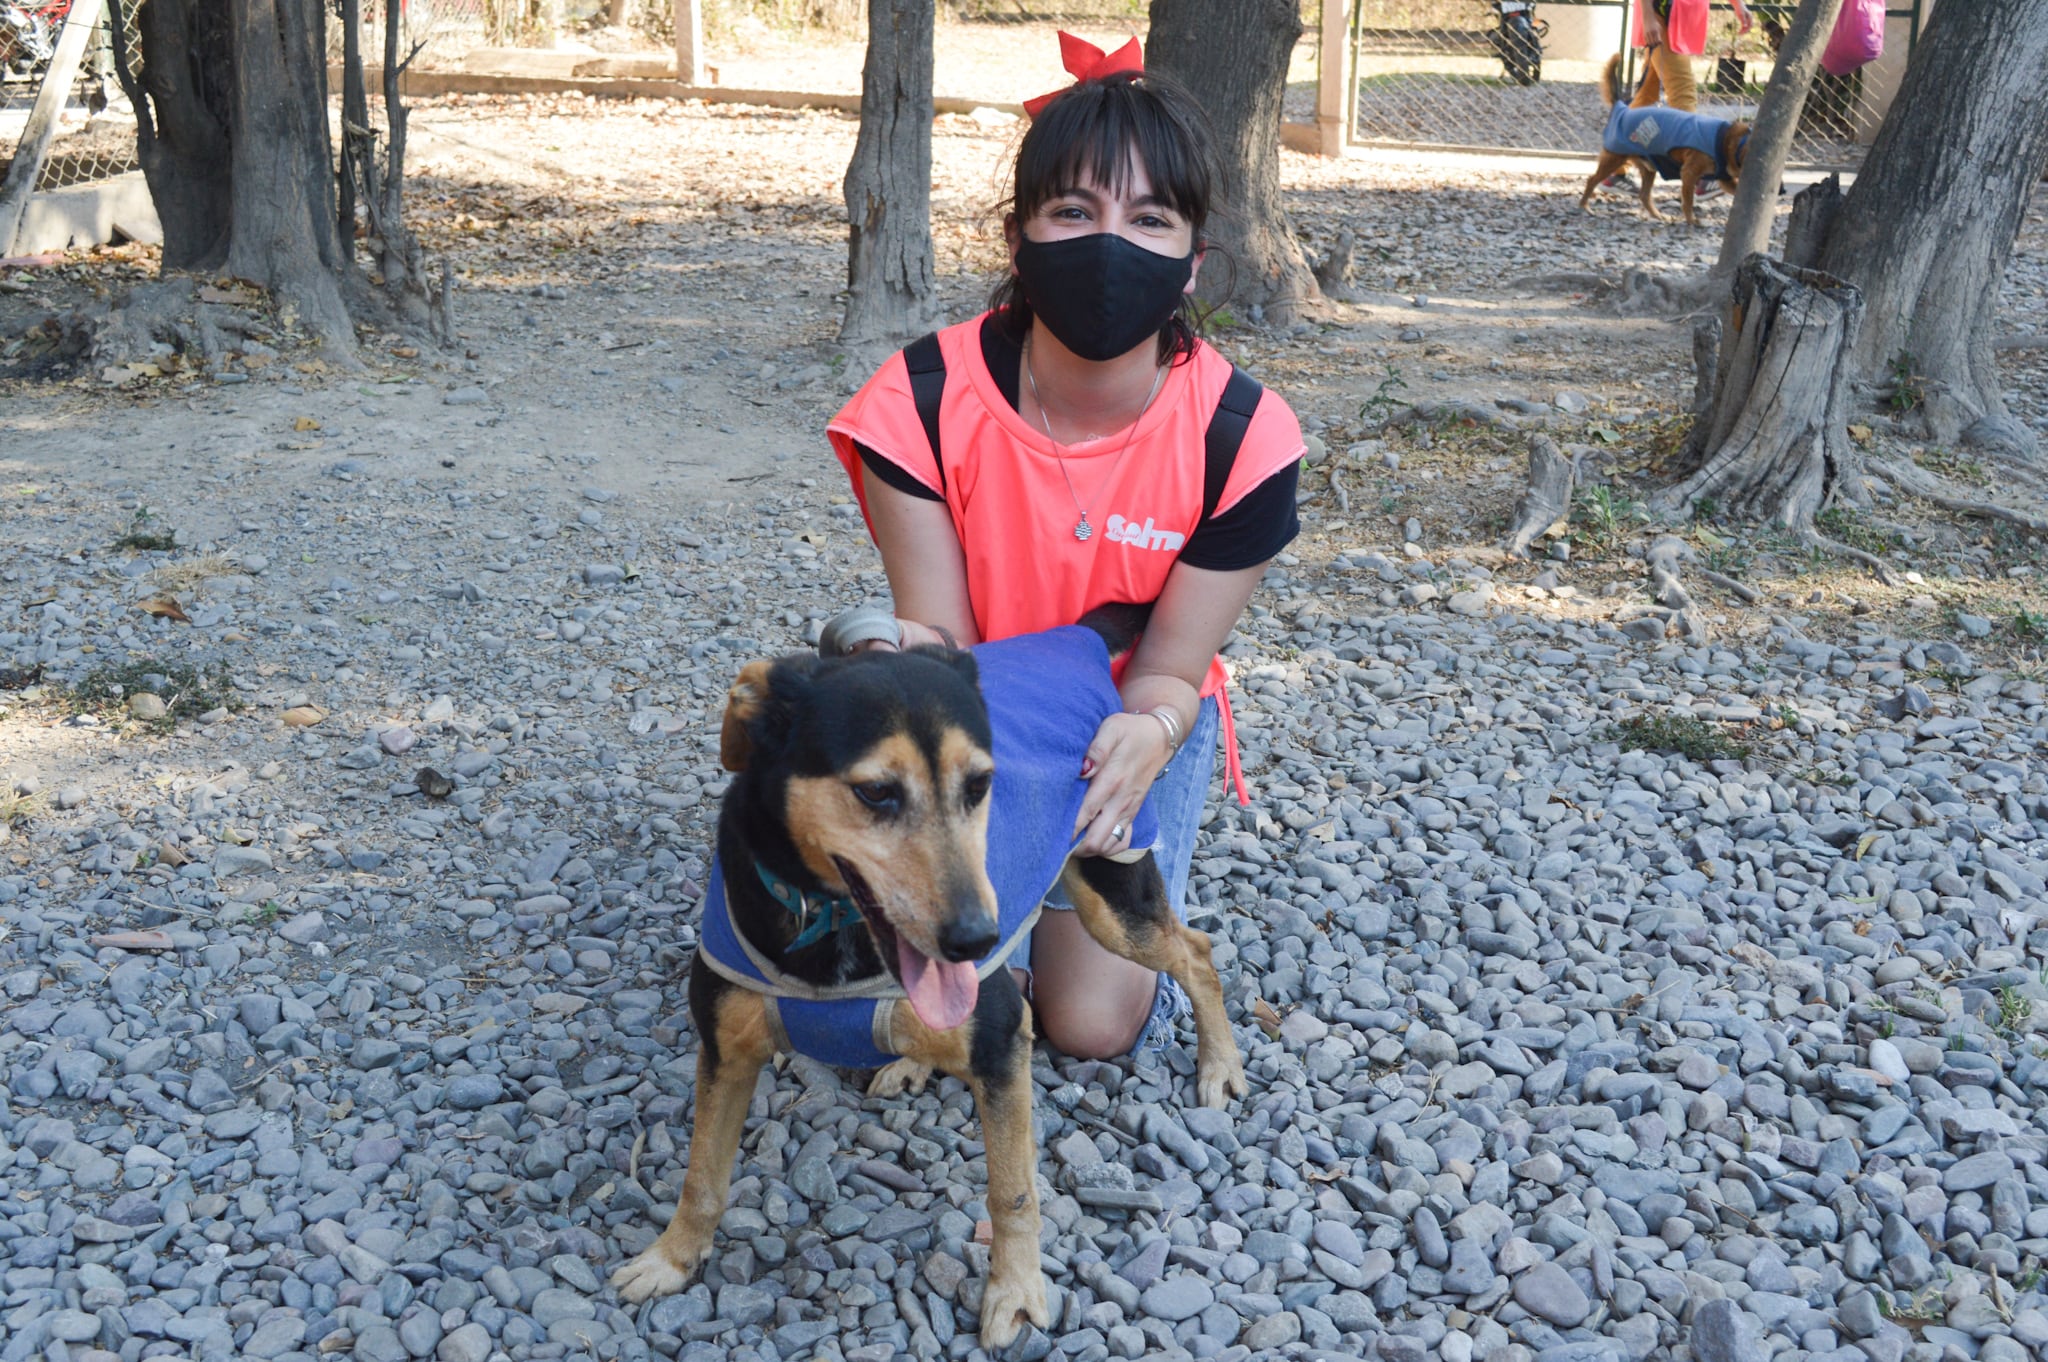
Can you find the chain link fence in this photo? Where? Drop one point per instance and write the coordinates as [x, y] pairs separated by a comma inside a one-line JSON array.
[[95, 131], [1453, 74]]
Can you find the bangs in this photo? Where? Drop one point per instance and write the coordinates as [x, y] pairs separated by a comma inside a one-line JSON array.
[[1094, 132]]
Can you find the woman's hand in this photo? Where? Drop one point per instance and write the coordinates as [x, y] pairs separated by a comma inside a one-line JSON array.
[[1126, 756], [1742, 20]]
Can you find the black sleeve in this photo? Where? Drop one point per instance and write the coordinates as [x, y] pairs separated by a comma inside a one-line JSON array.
[[895, 476], [1261, 524]]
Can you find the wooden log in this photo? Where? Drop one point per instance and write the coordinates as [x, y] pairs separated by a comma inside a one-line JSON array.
[[1547, 498]]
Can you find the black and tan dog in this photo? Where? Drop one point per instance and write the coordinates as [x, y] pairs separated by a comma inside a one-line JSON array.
[[868, 778], [1657, 139]]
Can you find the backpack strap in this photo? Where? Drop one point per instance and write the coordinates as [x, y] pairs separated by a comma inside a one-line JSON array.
[[927, 366], [1227, 427]]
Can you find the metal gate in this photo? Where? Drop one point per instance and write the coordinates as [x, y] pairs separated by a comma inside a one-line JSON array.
[[1430, 73]]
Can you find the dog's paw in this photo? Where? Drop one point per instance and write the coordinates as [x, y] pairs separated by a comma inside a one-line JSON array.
[[1220, 1081], [902, 1076], [1007, 1303], [660, 1271]]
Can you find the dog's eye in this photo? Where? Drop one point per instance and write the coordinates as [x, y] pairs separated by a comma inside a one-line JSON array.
[[882, 795], [976, 789]]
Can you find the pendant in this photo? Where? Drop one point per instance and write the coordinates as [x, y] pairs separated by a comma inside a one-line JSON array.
[[1082, 529]]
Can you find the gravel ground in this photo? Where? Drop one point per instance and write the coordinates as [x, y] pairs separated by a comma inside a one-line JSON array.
[[1561, 1050]]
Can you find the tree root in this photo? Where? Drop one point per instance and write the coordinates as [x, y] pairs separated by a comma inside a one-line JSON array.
[[1665, 553], [1742, 591], [1924, 485], [2024, 340], [1443, 413], [1333, 271], [1815, 539], [1642, 293], [1563, 281]]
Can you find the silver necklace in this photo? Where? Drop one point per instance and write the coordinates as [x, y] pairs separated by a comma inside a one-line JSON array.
[[1082, 529]]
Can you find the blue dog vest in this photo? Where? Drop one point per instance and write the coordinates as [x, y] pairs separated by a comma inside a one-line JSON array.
[[1657, 131], [1046, 695]]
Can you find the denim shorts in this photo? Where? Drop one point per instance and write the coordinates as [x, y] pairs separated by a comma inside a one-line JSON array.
[[1177, 799]]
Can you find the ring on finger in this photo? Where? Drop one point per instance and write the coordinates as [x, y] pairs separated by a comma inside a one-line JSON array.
[[1116, 834]]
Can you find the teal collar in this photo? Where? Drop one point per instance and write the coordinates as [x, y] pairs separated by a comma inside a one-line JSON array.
[[816, 915]]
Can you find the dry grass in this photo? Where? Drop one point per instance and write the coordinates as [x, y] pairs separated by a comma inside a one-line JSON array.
[[16, 809], [187, 573]]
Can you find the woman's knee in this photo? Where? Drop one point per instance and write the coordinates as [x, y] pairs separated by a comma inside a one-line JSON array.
[[1084, 1031]]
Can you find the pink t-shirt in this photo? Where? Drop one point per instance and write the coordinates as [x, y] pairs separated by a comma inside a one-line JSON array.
[[1010, 501], [1685, 26]]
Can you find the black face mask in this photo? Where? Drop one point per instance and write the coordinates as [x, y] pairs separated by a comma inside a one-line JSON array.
[[1100, 295]]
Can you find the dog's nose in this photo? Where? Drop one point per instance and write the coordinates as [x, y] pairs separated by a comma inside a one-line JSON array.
[[968, 936]]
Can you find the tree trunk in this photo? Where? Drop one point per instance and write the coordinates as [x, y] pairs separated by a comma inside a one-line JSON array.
[[1232, 56], [1776, 437], [398, 258], [1770, 139], [890, 277], [282, 201], [183, 103], [355, 124], [1929, 225]]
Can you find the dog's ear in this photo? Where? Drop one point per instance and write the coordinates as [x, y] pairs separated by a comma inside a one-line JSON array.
[[962, 662], [745, 702]]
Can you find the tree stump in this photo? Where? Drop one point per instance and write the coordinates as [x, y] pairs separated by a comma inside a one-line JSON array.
[[1776, 441]]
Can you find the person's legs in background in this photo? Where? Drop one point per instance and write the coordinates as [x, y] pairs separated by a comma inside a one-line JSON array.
[[1674, 74]]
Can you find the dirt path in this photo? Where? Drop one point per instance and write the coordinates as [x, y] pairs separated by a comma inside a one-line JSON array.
[[648, 302]]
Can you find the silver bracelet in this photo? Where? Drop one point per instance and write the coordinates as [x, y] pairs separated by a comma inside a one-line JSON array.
[[1165, 715]]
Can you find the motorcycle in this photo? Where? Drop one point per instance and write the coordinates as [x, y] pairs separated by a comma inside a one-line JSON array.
[[1518, 40], [25, 43]]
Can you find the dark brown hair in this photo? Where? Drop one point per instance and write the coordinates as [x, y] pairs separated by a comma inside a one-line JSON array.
[[1090, 132]]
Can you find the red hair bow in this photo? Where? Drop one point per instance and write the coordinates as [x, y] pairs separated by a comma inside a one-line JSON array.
[[1085, 61]]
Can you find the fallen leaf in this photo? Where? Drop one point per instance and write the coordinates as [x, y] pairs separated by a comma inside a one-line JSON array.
[[237, 836], [406, 351], [305, 423], [1606, 435], [167, 853], [1266, 1017], [303, 716], [134, 941], [121, 374], [165, 607], [1862, 435], [1864, 844]]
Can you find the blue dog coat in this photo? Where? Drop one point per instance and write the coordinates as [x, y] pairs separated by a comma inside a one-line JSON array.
[[1046, 695], [1658, 131]]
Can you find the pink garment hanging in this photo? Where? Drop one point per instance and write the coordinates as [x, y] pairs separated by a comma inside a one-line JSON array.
[[1858, 38]]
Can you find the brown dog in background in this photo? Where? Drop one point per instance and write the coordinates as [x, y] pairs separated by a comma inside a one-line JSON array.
[[1729, 142]]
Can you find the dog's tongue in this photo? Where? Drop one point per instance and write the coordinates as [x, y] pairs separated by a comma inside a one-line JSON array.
[[942, 994]]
